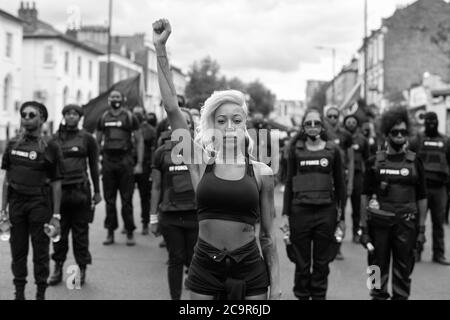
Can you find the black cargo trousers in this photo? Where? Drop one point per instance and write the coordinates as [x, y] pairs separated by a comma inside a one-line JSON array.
[[28, 215], [76, 214]]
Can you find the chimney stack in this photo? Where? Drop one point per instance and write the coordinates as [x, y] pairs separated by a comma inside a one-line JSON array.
[[29, 14]]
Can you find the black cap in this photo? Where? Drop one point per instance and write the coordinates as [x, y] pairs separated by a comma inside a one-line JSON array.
[[74, 107], [430, 116], [39, 106]]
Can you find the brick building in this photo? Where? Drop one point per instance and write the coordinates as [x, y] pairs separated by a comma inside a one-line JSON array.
[[414, 40]]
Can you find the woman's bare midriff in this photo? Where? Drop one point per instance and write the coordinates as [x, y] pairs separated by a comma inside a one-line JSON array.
[[226, 235]]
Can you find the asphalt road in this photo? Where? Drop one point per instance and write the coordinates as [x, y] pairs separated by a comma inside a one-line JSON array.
[[140, 273]]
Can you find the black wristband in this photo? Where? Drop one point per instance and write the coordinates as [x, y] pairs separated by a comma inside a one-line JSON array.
[[422, 229]]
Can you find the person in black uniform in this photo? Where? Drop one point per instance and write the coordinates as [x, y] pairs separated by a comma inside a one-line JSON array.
[[343, 139], [361, 154], [152, 120], [143, 180], [173, 197], [33, 167], [434, 150], [313, 198], [368, 131], [79, 148], [393, 222], [115, 129]]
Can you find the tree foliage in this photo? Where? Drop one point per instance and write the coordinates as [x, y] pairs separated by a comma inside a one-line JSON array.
[[205, 78]]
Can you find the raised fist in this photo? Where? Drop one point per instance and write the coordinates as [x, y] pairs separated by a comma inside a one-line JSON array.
[[161, 32]]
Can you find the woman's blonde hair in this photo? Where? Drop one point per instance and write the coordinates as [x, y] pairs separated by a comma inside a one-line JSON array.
[[214, 102]]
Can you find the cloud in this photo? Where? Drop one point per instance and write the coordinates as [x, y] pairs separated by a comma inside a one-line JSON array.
[[274, 40]]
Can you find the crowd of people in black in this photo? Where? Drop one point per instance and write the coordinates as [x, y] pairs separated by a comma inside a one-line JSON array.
[[217, 217]]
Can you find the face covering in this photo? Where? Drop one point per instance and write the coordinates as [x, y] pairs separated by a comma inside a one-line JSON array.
[[313, 137], [366, 133], [152, 122], [140, 117], [395, 146], [116, 104], [431, 128]]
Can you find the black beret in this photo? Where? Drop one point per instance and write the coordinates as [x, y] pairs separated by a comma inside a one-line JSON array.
[[74, 107], [39, 106]]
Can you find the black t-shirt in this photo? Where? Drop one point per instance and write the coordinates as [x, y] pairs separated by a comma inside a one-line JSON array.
[[53, 158], [370, 181]]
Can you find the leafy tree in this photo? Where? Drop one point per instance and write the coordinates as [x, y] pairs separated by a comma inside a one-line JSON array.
[[203, 81], [261, 98]]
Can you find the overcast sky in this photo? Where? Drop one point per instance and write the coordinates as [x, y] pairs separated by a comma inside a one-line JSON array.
[[271, 40]]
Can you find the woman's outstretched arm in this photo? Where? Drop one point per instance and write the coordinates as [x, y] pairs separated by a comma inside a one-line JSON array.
[[161, 33]]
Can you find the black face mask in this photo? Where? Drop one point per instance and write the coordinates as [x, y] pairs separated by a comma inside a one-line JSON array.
[[140, 117], [431, 127], [313, 137], [115, 104], [366, 133], [397, 147], [152, 122]]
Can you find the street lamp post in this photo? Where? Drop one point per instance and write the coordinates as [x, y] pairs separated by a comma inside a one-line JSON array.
[[333, 62], [365, 45], [108, 67]]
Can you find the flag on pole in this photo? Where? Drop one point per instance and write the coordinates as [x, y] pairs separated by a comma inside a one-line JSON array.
[[132, 90]]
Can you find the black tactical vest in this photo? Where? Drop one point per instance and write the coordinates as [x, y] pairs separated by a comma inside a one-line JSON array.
[[433, 152], [118, 131], [313, 183], [75, 152], [397, 183], [28, 171], [177, 191]]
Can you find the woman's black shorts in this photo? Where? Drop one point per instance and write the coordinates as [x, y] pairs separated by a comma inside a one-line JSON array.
[[237, 274]]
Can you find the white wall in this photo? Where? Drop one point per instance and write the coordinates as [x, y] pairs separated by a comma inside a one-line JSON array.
[[10, 66], [51, 78]]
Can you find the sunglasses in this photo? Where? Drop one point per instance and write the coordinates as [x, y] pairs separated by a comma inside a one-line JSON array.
[[332, 116], [29, 115], [396, 132], [313, 124]]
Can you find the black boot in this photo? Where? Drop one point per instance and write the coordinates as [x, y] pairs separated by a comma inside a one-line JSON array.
[[56, 277], [109, 238], [20, 294], [40, 294], [82, 274], [130, 239]]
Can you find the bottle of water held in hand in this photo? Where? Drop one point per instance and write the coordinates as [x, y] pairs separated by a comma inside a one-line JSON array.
[[287, 239], [5, 227], [50, 231], [339, 235], [374, 204]]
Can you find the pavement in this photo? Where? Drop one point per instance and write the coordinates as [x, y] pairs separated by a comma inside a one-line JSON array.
[[140, 273]]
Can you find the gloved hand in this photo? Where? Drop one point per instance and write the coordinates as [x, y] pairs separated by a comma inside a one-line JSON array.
[[421, 239]]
